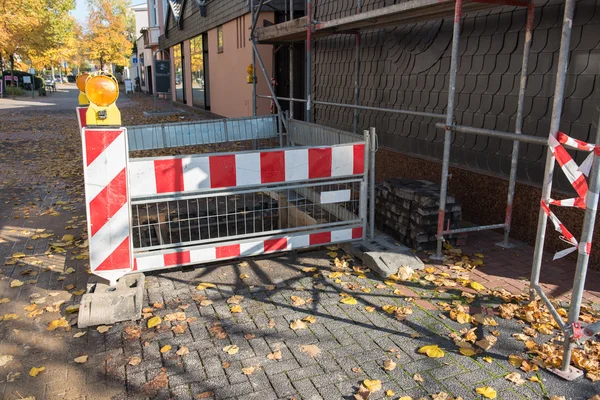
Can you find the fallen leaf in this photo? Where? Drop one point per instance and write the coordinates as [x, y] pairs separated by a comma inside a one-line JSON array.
[[373, 385], [390, 393], [237, 299], [154, 321], [297, 301], [134, 361], [515, 360], [103, 328], [309, 269], [5, 360], [311, 349], [271, 324], [236, 309], [463, 318], [297, 324], [19, 255], [515, 378], [487, 392], [176, 316], [335, 275], [310, 319], [487, 359], [479, 287], [57, 323], [537, 380], [244, 276], [4, 300], [204, 395], [357, 370], [405, 273], [165, 348], [332, 254], [276, 355], [225, 364], [81, 359], [183, 350], [369, 309], [388, 308], [418, 378], [34, 371], [205, 285], [249, 336], [248, 370], [72, 309], [231, 349], [405, 398], [348, 300], [78, 292], [389, 365], [487, 342], [362, 394], [432, 351], [16, 283], [465, 351]]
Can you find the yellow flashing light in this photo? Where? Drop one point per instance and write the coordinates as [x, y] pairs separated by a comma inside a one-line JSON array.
[[83, 100], [250, 71], [102, 91]]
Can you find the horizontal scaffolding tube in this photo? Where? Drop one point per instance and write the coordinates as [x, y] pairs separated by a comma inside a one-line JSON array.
[[327, 103], [550, 307], [499, 134], [473, 229]]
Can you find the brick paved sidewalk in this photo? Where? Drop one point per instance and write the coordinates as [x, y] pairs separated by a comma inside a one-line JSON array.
[[353, 342]]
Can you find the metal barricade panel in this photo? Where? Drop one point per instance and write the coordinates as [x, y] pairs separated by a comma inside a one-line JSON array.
[[303, 133], [160, 136]]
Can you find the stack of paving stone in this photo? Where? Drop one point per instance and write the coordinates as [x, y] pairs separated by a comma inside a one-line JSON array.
[[408, 210]]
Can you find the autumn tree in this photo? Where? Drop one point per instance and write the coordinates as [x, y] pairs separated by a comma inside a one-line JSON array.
[[33, 26], [109, 32]]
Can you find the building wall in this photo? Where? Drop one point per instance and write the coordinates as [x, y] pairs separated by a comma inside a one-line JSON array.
[[407, 68], [230, 95]]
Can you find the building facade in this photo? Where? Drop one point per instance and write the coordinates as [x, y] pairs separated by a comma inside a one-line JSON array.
[[210, 51]]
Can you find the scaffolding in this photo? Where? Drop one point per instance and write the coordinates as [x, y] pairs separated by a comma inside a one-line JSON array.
[[411, 11]]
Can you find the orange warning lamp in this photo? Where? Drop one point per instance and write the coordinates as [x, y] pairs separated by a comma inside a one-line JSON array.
[[250, 77], [83, 100], [102, 91]]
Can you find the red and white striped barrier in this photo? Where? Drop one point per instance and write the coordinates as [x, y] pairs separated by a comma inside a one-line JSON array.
[[251, 247], [576, 175], [105, 159], [81, 111], [192, 173]]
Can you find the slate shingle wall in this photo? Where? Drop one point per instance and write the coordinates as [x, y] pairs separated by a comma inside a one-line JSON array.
[[407, 68]]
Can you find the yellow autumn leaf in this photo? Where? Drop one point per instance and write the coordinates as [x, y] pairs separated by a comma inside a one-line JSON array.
[[154, 321], [70, 270], [16, 283], [67, 238], [432, 351], [487, 392], [405, 398], [365, 290], [372, 384], [389, 308], [335, 275], [310, 319], [467, 352], [57, 323], [390, 393], [103, 328], [349, 300], [236, 309], [34, 371], [165, 348], [534, 379], [72, 308], [297, 324], [477, 286], [309, 269], [8, 317], [19, 255], [463, 318], [487, 359], [244, 276], [205, 285], [332, 254], [231, 349], [369, 309], [81, 359], [78, 292], [515, 360]]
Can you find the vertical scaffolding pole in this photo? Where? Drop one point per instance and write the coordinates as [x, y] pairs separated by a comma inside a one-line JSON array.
[[583, 257], [448, 131], [518, 126], [373, 149], [559, 91], [357, 70], [291, 65], [308, 60], [253, 63]]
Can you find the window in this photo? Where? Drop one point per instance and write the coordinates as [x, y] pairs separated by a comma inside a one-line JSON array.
[[197, 60], [178, 70], [219, 39]]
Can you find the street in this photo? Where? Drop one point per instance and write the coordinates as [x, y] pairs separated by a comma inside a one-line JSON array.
[[278, 327]]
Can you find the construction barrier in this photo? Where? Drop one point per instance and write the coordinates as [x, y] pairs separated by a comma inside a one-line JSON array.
[[162, 212]]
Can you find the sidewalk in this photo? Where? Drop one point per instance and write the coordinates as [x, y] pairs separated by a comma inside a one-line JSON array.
[[267, 328]]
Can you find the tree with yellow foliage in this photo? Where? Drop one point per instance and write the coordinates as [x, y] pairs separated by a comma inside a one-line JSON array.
[[109, 32]]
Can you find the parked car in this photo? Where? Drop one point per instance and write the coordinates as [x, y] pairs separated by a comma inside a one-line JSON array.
[[70, 79]]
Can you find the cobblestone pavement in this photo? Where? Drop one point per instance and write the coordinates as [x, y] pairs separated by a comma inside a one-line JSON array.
[[40, 193]]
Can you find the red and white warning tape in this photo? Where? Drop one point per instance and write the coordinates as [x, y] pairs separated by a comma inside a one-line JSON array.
[[576, 175]]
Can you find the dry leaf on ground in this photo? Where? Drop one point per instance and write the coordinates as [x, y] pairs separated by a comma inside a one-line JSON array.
[[231, 349], [248, 370], [34, 371], [134, 361], [183, 350], [515, 378], [81, 359], [276, 355], [373, 385], [298, 324], [418, 378], [154, 321], [487, 392], [389, 365], [432, 351], [311, 349]]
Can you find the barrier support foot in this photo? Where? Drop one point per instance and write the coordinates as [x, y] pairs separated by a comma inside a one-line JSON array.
[[104, 304]]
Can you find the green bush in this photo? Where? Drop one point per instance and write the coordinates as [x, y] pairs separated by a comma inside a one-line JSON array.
[[39, 82], [14, 91]]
